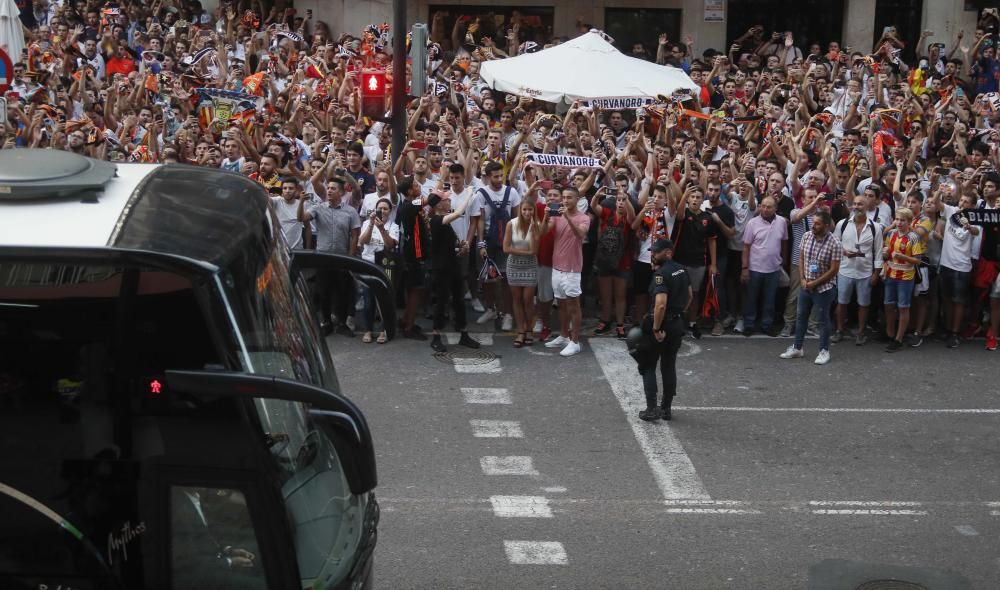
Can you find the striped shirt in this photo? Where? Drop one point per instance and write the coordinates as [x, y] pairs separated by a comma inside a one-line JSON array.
[[902, 243], [818, 256]]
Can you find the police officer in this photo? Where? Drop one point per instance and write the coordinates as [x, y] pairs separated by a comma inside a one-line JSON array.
[[670, 291]]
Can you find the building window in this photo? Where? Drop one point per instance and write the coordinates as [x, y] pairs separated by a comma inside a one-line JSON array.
[[810, 21], [631, 26], [905, 16], [494, 21]]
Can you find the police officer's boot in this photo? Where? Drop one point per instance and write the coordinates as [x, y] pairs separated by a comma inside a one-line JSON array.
[[665, 409]]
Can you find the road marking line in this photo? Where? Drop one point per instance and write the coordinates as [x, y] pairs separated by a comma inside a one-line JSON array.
[[711, 511], [672, 468], [471, 365], [966, 530], [994, 512], [871, 512], [882, 504], [703, 502], [484, 338], [993, 504], [496, 429], [841, 410], [486, 395], [554, 490], [521, 506], [535, 552], [507, 466]]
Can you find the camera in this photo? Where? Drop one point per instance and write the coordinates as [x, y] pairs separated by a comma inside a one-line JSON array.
[[553, 209], [378, 214]]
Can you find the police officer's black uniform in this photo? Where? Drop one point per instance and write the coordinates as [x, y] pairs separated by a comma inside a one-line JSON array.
[[672, 279]]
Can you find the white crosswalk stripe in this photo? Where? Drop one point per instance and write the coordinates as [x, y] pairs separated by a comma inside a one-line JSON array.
[[536, 552], [486, 395], [517, 465], [521, 506], [496, 429]]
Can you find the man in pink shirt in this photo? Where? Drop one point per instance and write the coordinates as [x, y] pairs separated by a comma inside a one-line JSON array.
[[763, 242], [567, 266]]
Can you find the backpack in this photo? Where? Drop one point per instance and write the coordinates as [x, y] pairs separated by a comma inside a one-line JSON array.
[[496, 221], [610, 247], [871, 228]]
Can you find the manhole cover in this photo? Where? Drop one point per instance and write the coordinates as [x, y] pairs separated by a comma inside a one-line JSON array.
[[890, 585], [465, 357]]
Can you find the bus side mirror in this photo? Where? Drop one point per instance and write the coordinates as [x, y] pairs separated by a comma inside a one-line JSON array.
[[339, 418], [361, 270]]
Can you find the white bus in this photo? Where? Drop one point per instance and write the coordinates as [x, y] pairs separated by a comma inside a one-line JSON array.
[[169, 412]]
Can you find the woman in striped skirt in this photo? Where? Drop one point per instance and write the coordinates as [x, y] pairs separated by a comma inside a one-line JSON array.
[[520, 243]]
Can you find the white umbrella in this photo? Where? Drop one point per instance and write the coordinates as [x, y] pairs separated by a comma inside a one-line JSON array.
[[584, 68], [11, 34]]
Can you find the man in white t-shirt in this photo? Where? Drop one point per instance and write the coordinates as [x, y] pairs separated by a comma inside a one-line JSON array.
[[287, 207], [960, 245], [494, 196], [382, 191]]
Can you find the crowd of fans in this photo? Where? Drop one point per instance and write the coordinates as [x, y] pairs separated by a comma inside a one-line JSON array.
[[892, 148]]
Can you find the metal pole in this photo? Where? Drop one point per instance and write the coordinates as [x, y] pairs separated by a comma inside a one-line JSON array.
[[399, 29]]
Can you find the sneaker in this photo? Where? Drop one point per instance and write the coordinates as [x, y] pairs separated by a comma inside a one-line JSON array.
[[718, 329], [916, 340], [739, 326], [791, 353], [508, 323], [326, 328], [747, 332], [477, 305], [650, 414], [953, 341], [991, 342], [544, 334], [837, 336], [557, 342], [812, 332], [468, 341], [772, 331], [894, 346], [823, 357], [487, 316], [786, 331], [468, 296], [537, 327], [571, 349], [693, 328], [861, 339], [437, 345], [350, 324], [728, 322]]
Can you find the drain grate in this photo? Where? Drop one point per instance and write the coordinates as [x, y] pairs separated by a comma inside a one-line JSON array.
[[465, 357], [890, 585]]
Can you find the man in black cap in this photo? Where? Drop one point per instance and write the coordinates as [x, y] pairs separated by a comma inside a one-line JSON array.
[[446, 248], [670, 291]]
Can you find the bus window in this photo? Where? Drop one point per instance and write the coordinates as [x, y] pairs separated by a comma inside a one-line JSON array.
[[281, 339], [212, 540]]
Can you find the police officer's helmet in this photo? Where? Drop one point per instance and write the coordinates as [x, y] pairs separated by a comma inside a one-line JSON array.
[[635, 340]]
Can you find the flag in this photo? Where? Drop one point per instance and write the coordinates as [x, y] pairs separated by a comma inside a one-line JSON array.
[[312, 71], [254, 83]]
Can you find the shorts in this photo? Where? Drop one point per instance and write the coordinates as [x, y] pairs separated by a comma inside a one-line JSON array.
[[697, 276], [846, 287], [614, 273], [566, 285], [984, 273], [955, 285], [544, 292], [415, 276], [922, 283], [898, 293], [642, 276]]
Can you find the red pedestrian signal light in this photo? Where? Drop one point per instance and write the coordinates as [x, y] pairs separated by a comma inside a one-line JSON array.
[[373, 94]]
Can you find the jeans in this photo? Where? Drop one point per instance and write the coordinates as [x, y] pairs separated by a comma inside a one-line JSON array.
[[449, 286], [762, 289], [336, 290], [811, 301], [369, 307]]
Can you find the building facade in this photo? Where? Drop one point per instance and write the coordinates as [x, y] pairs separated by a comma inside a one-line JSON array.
[[711, 23]]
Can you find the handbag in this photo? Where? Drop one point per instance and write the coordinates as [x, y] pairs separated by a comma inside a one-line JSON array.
[[391, 264], [710, 307]]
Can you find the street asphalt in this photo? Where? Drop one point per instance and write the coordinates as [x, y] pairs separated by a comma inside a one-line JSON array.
[[533, 471]]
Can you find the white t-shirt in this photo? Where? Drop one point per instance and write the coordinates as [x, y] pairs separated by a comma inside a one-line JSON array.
[[743, 214], [461, 225], [288, 217], [959, 245], [375, 244], [372, 199]]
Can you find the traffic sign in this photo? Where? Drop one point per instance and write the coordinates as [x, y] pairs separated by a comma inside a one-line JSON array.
[[6, 71]]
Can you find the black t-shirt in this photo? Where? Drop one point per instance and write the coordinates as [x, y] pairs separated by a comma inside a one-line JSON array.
[[443, 244], [672, 279], [991, 242], [725, 214], [691, 234], [785, 206], [365, 179]]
